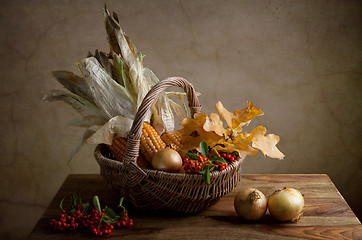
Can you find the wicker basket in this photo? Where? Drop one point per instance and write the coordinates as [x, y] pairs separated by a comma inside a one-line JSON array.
[[152, 189]]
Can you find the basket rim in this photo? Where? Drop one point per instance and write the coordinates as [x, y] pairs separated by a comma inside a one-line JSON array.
[[117, 164]]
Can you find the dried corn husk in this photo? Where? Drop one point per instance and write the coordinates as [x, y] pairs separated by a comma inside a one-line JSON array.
[[84, 107], [109, 96], [117, 126]]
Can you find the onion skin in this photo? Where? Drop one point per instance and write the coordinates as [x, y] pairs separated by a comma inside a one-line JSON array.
[[167, 160], [250, 204], [286, 204]]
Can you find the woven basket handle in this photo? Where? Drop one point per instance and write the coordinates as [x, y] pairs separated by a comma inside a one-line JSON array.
[[133, 141]]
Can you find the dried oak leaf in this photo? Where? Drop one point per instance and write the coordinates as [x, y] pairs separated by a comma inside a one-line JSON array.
[[193, 133], [239, 144], [267, 144], [214, 123], [238, 118]]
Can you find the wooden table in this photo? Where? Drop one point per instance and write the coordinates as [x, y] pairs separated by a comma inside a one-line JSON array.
[[326, 213]]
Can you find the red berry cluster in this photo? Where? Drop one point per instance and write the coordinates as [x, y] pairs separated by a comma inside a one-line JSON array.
[[97, 222], [94, 223], [229, 157], [125, 221], [195, 166], [65, 223]]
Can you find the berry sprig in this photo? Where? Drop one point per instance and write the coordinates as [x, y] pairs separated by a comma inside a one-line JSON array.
[[207, 160], [94, 219]]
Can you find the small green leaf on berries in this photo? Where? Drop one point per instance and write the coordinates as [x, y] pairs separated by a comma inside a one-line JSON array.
[[207, 174], [74, 199], [121, 202], [61, 204], [110, 221], [97, 204], [191, 156], [110, 213], [219, 159], [204, 148]]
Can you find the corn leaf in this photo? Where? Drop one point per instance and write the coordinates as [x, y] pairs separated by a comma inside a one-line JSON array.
[[177, 109], [117, 126], [87, 121], [89, 132], [109, 96], [117, 39], [162, 115], [123, 77], [137, 79], [75, 84], [119, 73], [80, 104], [104, 61], [181, 97]]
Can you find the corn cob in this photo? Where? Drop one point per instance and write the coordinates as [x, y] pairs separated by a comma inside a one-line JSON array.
[[150, 143], [173, 139], [118, 149]]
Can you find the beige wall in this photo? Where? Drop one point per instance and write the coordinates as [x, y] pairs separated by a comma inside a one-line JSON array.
[[300, 61]]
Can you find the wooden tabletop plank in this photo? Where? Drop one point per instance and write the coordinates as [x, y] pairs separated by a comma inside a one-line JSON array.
[[326, 213]]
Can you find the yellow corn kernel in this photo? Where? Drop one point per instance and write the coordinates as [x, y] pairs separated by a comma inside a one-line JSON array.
[[118, 149], [173, 139], [151, 141]]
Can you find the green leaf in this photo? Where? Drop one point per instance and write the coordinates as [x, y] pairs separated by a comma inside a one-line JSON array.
[[235, 153], [61, 204], [204, 148], [72, 211], [214, 152], [74, 199], [120, 202], [110, 221], [110, 213], [206, 169], [191, 156], [119, 70], [205, 164], [86, 208], [207, 174], [219, 159], [97, 204]]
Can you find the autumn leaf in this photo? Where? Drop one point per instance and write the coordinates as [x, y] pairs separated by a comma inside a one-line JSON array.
[[238, 118], [243, 117], [214, 123], [193, 132], [267, 144], [239, 144], [225, 114]]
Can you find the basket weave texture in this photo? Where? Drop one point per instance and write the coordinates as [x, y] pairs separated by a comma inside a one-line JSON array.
[[152, 189]]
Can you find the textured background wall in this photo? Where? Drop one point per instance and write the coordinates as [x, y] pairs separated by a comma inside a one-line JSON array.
[[300, 61]]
